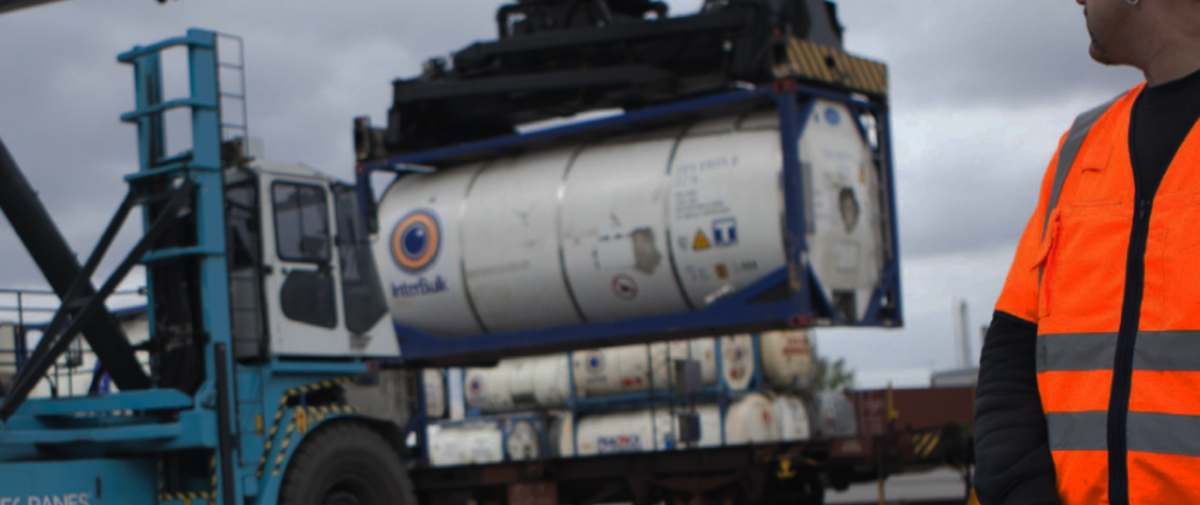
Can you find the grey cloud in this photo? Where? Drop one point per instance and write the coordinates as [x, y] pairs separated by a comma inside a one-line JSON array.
[[966, 197], [1017, 53]]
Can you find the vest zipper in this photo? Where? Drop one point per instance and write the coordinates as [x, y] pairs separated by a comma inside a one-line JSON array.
[[1131, 308]]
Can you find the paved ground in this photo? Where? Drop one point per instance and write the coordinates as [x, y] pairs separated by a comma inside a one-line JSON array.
[[934, 485]]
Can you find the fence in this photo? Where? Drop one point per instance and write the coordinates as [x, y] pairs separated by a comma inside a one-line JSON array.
[[24, 314]]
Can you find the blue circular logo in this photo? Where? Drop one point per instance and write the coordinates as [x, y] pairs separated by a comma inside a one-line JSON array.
[[595, 363], [833, 117], [416, 241]]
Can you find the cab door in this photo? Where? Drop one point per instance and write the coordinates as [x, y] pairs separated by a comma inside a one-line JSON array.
[[300, 282], [321, 287]]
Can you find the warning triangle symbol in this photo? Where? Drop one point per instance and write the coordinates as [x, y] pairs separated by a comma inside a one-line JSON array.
[[701, 243]]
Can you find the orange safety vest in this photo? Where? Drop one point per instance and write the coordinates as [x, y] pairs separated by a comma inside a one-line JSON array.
[[1112, 280]]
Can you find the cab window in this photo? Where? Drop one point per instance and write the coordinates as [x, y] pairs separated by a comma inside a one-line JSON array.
[[301, 223]]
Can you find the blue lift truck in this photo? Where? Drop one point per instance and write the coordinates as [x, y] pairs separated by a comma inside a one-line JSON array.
[[257, 329]]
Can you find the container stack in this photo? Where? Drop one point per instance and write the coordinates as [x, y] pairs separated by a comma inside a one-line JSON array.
[[753, 389]]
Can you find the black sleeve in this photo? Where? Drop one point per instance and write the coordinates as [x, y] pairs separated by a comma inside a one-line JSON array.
[[1013, 463]]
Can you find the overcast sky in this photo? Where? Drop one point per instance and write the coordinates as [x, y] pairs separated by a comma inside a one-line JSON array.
[[981, 92]]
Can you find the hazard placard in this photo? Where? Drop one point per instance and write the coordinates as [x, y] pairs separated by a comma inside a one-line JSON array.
[[701, 242]]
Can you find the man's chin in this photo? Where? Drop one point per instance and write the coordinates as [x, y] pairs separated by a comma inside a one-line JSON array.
[[1100, 55]]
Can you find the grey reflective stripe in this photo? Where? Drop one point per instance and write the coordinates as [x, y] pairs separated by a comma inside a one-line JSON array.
[[1077, 352], [1164, 433], [1147, 432], [1077, 431], [1167, 351], [1070, 149], [1159, 351]]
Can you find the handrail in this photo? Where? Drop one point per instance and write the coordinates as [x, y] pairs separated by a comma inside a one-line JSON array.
[[193, 38], [30, 310]]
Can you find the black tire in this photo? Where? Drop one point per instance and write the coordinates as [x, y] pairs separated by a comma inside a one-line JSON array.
[[346, 463]]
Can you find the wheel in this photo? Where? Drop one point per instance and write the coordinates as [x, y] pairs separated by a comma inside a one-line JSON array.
[[346, 464]]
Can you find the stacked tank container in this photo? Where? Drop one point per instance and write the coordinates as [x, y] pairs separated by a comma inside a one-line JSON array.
[[622, 399]]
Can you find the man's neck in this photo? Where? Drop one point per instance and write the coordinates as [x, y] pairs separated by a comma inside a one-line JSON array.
[[1167, 69], [1173, 56]]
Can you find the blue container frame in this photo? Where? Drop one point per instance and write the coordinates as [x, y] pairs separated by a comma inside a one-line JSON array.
[[736, 312]]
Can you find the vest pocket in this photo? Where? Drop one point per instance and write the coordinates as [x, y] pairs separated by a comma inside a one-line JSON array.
[[1083, 269], [1045, 263]]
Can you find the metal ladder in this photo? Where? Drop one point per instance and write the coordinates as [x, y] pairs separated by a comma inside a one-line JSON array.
[[232, 129]]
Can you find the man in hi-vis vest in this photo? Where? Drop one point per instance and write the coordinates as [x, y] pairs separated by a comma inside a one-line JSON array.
[[1089, 387]]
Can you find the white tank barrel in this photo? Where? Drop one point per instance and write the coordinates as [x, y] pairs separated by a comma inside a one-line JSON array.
[[737, 361], [521, 383], [618, 432], [544, 382], [485, 440], [787, 359], [435, 393], [751, 420], [653, 223], [748, 420], [636, 368], [793, 417], [562, 434]]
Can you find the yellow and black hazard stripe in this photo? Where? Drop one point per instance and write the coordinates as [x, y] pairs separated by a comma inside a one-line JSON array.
[[318, 386], [300, 417], [212, 470], [189, 496], [283, 446], [270, 438], [923, 444], [282, 408], [300, 423], [320, 413], [815, 62]]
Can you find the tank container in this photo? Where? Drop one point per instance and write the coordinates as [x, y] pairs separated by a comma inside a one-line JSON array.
[[787, 359], [657, 222], [793, 418], [486, 440], [544, 382]]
